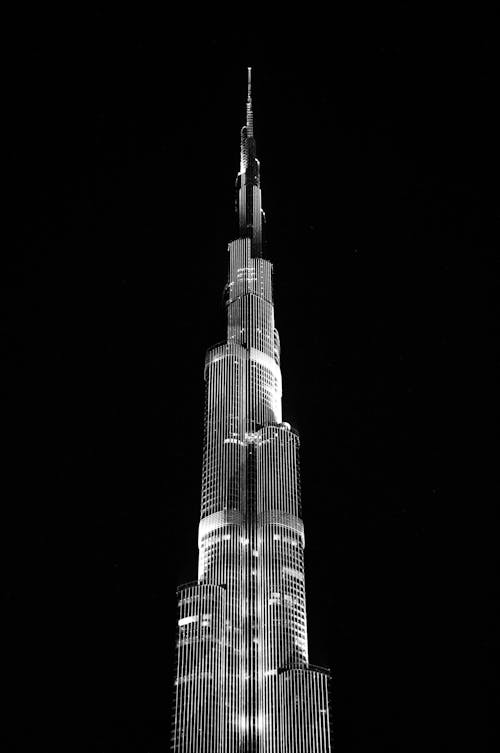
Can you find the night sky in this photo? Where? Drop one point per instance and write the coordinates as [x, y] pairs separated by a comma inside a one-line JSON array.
[[379, 162]]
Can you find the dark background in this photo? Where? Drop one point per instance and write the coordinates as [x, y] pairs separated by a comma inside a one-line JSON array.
[[377, 139]]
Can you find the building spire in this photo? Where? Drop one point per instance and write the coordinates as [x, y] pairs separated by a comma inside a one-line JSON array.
[[249, 106], [248, 184]]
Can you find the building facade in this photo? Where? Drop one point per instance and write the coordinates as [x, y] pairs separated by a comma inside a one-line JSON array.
[[243, 679]]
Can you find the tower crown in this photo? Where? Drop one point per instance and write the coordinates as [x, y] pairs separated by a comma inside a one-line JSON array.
[[249, 208], [249, 106]]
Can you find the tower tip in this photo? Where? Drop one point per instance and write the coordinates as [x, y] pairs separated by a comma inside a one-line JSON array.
[[249, 105]]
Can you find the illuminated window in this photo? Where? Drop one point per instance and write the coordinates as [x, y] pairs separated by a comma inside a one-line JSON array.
[[188, 620]]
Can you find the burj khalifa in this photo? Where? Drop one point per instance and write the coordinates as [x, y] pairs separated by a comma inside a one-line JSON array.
[[243, 681]]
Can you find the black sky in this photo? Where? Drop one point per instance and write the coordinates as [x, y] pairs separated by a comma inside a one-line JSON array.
[[379, 165]]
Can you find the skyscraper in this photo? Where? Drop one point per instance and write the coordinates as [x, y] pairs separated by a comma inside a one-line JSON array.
[[243, 681]]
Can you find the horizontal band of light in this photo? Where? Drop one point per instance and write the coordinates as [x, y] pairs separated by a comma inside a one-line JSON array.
[[188, 620]]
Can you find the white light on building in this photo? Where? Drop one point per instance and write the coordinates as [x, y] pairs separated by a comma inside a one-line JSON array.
[[243, 680]]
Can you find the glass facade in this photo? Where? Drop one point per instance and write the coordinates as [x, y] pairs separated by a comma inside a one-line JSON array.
[[243, 681]]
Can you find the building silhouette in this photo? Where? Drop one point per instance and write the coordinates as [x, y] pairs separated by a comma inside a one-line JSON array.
[[243, 682]]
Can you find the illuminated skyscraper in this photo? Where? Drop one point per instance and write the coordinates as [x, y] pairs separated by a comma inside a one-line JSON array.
[[243, 682]]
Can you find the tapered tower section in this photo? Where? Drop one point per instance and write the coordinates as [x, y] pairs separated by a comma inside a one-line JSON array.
[[243, 681]]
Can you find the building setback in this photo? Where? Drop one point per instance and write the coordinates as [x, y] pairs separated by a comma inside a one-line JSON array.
[[243, 679]]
